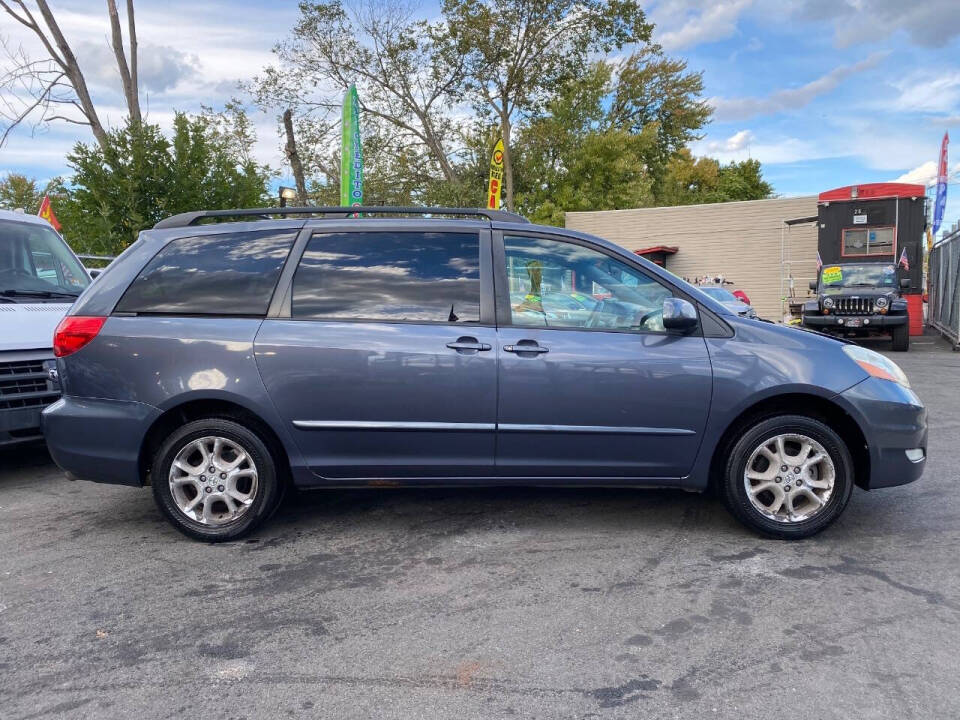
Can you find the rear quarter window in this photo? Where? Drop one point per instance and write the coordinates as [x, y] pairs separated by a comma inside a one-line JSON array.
[[223, 274]]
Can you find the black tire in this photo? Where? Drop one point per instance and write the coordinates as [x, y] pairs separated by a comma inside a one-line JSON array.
[[265, 500], [901, 338], [753, 435]]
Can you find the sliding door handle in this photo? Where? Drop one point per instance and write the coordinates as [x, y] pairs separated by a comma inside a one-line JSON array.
[[469, 344]]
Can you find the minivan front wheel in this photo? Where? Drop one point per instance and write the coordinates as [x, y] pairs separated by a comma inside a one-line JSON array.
[[215, 479], [788, 476]]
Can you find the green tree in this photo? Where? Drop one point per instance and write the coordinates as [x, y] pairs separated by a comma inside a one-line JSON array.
[[19, 191], [691, 181], [139, 177], [581, 133], [654, 92], [517, 52], [606, 137]]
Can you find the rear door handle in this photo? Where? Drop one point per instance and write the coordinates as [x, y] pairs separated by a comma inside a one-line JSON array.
[[469, 344], [521, 348]]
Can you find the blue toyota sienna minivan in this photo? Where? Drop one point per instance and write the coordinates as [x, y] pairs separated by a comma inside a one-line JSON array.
[[228, 354]]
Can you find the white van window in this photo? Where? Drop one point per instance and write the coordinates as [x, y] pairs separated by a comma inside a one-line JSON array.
[[35, 261]]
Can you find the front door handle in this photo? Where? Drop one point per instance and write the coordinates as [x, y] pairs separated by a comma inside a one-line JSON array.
[[469, 344], [526, 346]]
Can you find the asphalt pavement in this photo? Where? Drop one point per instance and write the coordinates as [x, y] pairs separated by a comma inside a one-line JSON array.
[[492, 603]]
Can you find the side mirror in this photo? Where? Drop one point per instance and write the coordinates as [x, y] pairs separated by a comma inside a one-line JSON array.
[[679, 314], [904, 283], [813, 285]]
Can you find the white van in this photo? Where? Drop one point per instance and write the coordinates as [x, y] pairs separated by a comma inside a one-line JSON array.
[[40, 277]]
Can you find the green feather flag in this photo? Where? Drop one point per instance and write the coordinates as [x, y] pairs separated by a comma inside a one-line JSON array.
[[351, 154]]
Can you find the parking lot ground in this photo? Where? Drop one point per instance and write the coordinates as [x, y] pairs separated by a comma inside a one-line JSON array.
[[533, 603]]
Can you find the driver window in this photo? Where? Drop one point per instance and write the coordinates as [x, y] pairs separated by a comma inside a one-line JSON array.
[[556, 284]]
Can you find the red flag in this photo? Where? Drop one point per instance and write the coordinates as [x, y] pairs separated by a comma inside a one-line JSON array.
[[904, 263], [46, 212]]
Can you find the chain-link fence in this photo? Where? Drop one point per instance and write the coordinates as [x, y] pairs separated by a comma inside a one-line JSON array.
[[943, 310]]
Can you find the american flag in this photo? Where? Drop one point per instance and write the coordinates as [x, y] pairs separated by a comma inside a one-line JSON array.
[[819, 261], [904, 263]]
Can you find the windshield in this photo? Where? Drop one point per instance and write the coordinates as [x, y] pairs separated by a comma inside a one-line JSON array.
[[872, 275], [34, 261], [718, 293]]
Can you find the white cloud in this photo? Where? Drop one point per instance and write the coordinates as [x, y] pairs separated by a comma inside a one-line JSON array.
[[160, 67], [930, 23], [929, 92], [768, 150], [790, 99], [925, 174], [738, 141], [683, 24]]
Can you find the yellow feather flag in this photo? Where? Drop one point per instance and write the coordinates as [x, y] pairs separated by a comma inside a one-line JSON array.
[[496, 177]]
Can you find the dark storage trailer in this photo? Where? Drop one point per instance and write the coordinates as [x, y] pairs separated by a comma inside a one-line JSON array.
[[877, 222]]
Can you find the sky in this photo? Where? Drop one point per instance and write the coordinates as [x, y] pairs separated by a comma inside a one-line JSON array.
[[824, 93]]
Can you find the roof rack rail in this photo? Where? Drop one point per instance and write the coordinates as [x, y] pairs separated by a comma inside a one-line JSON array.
[[192, 218]]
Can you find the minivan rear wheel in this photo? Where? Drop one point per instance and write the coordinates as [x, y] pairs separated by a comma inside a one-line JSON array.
[[788, 476], [215, 479]]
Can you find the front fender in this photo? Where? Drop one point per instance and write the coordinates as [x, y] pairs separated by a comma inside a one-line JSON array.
[[763, 361]]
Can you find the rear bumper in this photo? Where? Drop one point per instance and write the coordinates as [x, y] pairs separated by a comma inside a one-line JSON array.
[[96, 439], [827, 323], [894, 423]]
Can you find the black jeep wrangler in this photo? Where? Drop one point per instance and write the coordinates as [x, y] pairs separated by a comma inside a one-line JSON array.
[[857, 300]]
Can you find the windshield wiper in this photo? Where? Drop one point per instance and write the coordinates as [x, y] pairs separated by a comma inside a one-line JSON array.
[[37, 293]]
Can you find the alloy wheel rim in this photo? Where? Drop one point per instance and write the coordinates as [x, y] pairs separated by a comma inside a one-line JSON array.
[[789, 478], [213, 480]]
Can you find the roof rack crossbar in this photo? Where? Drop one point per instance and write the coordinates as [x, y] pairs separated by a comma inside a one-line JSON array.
[[192, 218]]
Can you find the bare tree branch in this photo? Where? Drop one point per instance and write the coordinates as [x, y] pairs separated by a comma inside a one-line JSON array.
[[72, 69], [129, 88], [32, 88], [132, 33], [293, 157]]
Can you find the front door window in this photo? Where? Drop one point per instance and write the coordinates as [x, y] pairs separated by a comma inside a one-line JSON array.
[[563, 285]]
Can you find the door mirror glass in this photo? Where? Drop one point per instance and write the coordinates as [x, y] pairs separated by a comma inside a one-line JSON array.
[[679, 314], [813, 284], [904, 283]]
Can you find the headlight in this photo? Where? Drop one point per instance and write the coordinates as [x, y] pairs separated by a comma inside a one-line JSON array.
[[882, 302], [876, 364], [828, 302]]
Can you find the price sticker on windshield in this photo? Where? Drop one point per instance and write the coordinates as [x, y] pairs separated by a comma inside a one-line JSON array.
[[833, 274]]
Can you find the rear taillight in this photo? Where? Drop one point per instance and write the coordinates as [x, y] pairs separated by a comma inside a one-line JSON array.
[[75, 331]]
